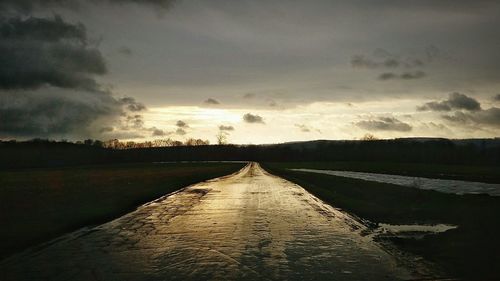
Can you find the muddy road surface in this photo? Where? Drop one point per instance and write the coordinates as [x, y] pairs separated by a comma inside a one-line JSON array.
[[247, 226]]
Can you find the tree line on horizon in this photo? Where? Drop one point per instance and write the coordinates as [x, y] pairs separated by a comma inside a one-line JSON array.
[[117, 144], [46, 153], [221, 138]]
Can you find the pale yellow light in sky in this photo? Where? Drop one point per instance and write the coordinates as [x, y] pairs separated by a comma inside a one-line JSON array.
[[320, 120]]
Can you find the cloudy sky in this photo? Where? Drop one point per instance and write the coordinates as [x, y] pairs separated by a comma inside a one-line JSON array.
[[260, 71]]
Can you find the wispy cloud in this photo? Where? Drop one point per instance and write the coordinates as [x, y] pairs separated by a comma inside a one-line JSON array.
[[211, 101], [384, 124], [226, 128], [181, 124], [403, 76]]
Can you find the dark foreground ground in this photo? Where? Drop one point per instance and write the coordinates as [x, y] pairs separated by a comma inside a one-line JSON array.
[[39, 204], [247, 226], [469, 252]]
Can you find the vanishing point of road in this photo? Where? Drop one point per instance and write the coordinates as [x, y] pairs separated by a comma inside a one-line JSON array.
[[246, 226]]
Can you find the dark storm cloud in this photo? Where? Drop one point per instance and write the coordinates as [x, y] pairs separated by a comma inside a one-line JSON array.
[[404, 75], [28, 114], [384, 124], [181, 124], [490, 117], [461, 101], [211, 101], [36, 52], [132, 104], [41, 29], [48, 86], [468, 111], [48, 73], [251, 118], [226, 128], [455, 101], [27, 6]]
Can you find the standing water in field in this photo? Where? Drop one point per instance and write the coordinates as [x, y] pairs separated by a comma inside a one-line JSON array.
[[446, 186]]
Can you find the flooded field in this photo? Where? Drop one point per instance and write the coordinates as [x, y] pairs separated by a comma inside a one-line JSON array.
[[247, 226], [447, 186]]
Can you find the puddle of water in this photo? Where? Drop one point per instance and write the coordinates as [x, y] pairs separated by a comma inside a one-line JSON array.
[[446, 186], [415, 231], [401, 228]]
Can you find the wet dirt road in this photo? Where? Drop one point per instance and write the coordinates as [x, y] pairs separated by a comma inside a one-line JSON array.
[[246, 226]]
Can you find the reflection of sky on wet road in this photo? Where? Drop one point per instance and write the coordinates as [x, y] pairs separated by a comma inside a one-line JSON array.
[[446, 186], [251, 226]]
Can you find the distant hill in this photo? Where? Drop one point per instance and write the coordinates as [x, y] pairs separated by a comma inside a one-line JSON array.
[[480, 142]]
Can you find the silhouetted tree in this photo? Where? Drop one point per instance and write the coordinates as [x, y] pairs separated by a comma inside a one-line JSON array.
[[369, 137], [221, 137]]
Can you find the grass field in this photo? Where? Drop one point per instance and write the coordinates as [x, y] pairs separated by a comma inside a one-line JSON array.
[[489, 174], [39, 204], [469, 252]]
